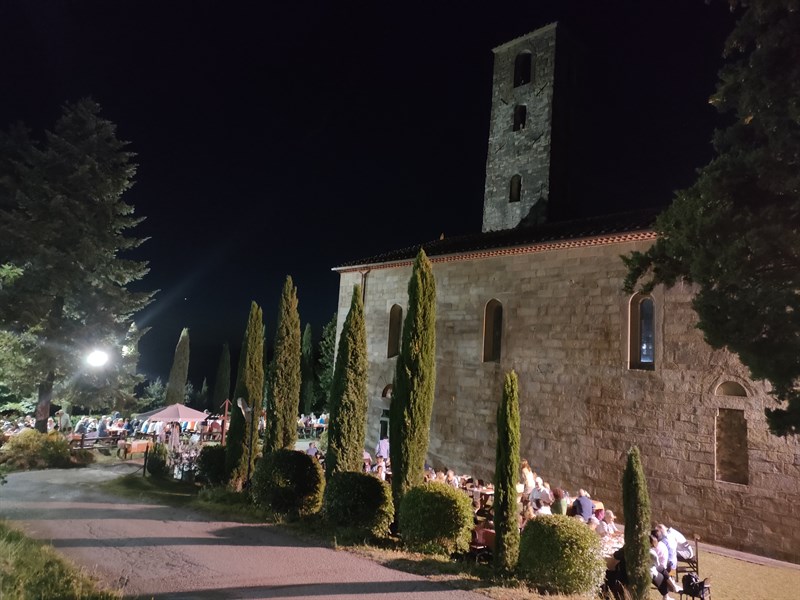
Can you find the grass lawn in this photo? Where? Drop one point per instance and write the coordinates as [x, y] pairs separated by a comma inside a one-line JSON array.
[[731, 579], [31, 569]]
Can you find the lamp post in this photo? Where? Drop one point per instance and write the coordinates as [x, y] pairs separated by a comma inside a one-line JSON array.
[[248, 413]]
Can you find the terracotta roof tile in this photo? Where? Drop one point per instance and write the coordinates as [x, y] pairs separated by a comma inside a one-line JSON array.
[[593, 227]]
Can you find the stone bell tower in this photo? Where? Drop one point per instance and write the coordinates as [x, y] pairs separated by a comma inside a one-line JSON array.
[[526, 166]]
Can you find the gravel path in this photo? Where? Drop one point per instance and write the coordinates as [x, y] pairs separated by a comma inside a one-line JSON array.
[[156, 551]]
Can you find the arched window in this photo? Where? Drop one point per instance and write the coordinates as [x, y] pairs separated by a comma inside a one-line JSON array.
[[515, 189], [730, 388], [520, 116], [642, 327], [395, 325], [523, 68], [492, 331]]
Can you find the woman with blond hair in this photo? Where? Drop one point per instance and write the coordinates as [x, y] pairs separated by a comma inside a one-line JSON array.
[[528, 478]]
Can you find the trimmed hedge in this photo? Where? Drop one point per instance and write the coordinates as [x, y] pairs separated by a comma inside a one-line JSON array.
[[31, 449], [436, 518], [359, 501], [561, 555], [288, 482], [211, 465]]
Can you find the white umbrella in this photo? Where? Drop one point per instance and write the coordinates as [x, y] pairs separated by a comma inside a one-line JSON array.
[[178, 412]]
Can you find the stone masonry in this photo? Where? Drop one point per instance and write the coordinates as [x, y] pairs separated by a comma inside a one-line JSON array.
[[712, 466], [565, 332], [527, 151]]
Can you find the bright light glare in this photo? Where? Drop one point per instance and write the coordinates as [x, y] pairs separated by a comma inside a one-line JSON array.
[[97, 358]]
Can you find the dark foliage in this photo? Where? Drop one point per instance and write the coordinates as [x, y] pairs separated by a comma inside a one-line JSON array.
[[561, 555], [288, 482], [359, 501], [348, 403], [506, 475], [436, 518], [735, 233], [283, 396], [211, 465], [636, 510], [414, 382]]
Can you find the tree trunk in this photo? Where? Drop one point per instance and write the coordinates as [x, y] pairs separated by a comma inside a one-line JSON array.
[[43, 404]]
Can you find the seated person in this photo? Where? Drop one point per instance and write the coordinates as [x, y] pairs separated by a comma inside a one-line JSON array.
[[607, 526], [102, 428], [559, 505], [451, 479], [658, 570], [678, 546], [583, 506], [81, 426]]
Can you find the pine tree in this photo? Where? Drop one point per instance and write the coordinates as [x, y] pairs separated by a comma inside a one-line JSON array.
[[250, 389], [284, 390], [506, 475], [327, 351], [414, 382], [179, 372], [735, 233], [66, 289], [636, 508], [222, 382], [308, 388], [348, 416]]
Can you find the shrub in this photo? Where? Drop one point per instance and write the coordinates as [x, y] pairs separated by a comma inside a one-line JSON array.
[[82, 457], [288, 483], [211, 465], [436, 518], [30, 449], [559, 554], [157, 461], [359, 501]]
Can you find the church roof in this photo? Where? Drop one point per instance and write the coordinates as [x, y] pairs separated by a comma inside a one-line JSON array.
[[630, 226]]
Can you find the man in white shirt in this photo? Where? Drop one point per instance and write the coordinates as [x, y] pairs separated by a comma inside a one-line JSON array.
[[382, 449]]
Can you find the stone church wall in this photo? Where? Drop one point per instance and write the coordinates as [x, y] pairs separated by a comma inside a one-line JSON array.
[[565, 332]]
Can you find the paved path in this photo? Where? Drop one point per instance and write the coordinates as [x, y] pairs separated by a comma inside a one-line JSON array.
[[161, 552]]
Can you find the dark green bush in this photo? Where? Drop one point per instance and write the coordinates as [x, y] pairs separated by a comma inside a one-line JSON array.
[[561, 555], [211, 465], [31, 449], [359, 501], [436, 518], [157, 461], [288, 483]]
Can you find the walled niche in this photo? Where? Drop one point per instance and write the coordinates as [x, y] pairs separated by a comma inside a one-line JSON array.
[[731, 446]]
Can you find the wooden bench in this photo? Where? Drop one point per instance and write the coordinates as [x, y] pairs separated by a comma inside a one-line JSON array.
[[82, 442]]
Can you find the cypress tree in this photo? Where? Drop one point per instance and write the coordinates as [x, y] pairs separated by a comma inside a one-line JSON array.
[[506, 476], [222, 383], [636, 508], [284, 390], [308, 386], [414, 382], [327, 351], [348, 405], [234, 444], [179, 371], [250, 389]]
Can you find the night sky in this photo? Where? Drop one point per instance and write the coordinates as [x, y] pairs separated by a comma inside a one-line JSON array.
[[287, 139]]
